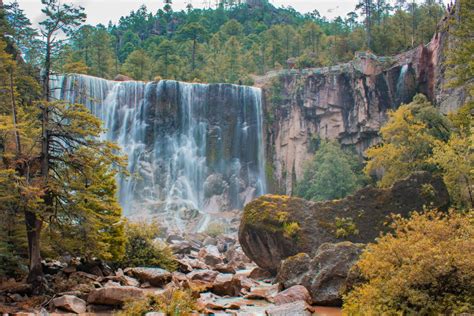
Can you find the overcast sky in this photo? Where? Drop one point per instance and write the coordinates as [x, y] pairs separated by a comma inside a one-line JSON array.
[[102, 11]]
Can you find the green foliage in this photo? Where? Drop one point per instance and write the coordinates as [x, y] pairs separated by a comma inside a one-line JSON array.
[[171, 302], [215, 229], [331, 174], [345, 227], [418, 137], [137, 65], [291, 229], [426, 267], [409, 137], [455, 158], [460, 55], [55, 170], [234, 41], [142, 249]]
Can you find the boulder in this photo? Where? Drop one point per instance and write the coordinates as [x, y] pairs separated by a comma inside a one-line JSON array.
[[70, 303], [95, 267], [194, 263], [52, 266], [110, 283], [210, 241], [183, 247], [298, 308], [115, 295], [224, 268], [325, 274], [226, 284], [276, 227], [263, 293], [246, 282], [129, 281], [120, 77], [292, 294], [184, 266], [260, 274], [203, 275], [211, 255], [154, 276], [236, 257], [293, 268]]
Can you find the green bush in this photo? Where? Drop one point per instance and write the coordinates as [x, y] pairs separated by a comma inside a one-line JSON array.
[[142, 248], [345, 227], [426, 267], [332, 174], [215, 229]]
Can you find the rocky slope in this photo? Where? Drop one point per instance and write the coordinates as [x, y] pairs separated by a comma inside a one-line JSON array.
[[213, 269], [347, 102]]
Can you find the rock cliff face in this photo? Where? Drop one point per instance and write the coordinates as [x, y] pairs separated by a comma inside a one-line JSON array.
[[274, 227], [348, 102]]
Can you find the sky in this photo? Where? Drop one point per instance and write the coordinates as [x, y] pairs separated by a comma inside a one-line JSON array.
[[102, 11]]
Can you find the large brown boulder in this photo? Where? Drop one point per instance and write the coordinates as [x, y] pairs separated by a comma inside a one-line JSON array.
[[154, 276], [298, 308], [115, 295], [227, 284], [325, 274], [276, 227], [292, 294], [70, 303]]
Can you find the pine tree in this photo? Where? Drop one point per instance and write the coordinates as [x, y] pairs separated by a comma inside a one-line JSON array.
[[137, 65]]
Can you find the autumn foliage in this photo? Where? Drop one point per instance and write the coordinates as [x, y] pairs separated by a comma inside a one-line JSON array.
[[426, 267]]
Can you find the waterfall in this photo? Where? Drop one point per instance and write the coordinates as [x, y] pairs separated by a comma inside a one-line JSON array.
[[193, 149], [401, 92]]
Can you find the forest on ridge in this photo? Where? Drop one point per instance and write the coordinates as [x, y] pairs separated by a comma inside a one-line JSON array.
[[232, 42]]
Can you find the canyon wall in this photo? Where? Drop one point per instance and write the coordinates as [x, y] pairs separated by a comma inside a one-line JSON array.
[[347, 102]]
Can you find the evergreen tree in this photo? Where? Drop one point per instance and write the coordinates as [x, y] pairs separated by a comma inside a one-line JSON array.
[[138, 65], [331, 174], [193, 31]]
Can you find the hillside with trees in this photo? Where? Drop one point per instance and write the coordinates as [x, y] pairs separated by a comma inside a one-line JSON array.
[[239, 40]]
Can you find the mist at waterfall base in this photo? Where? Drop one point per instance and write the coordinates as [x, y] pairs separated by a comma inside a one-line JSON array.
[[194, 150]]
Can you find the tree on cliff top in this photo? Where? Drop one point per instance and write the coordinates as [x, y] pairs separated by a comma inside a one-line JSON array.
[[460, 55], [331, 174]]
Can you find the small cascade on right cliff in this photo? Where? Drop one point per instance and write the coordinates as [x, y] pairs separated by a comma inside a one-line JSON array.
[[404, 92], [193, 150]]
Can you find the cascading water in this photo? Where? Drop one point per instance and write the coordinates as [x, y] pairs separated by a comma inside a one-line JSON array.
[[402, 92], [193, 149]]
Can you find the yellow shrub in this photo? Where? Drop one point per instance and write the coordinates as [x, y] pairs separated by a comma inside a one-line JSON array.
[[172, 302], [425, 268]]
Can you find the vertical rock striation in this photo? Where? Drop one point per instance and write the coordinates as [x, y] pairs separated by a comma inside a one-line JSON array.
[[347, 102]]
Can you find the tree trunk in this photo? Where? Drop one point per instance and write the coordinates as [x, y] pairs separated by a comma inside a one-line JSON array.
[[47, 70], [33, 231], [13, 104], [194, 55]]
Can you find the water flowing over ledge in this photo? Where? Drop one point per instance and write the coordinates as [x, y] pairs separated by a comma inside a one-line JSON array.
[[193, 149]]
